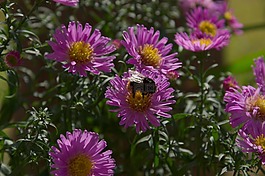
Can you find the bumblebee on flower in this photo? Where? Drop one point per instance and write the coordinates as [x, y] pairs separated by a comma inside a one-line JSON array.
[[138, 101]]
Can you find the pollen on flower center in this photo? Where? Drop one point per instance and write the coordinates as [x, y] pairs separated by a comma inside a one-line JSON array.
[[80, 165], [203, 41], [208, 28], [260, 102], [260, 141], [80, 52], [228, 16], [138, 101], [150, 56]]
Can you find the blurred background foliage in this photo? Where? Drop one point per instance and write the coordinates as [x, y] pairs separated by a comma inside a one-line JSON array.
[[42, 100], [239, 54]]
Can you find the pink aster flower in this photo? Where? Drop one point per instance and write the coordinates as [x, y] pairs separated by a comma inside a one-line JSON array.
[[67, 2], [13, 59], [204, 23], [246, 106], [259, 72], [81, 51], [231, 20], [140, 97], [197, 44], [81, 153], [147, 51], [229, 84], [253, 143]]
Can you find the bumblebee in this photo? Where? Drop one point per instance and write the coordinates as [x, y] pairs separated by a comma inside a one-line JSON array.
[[137, 81]]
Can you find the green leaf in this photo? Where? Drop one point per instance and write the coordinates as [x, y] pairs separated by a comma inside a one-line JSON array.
[[215, 134], [209, 78], [3, 134], [180, 116], [224, 170], [144, 139], [186, 151], [4, 169], [29, 33], [156, 161]]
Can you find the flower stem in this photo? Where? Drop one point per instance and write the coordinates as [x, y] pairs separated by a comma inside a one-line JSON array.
[[201, 80], [201, 87]]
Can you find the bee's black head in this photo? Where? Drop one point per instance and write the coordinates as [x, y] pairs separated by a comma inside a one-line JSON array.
[[148, 80], [149, 86]]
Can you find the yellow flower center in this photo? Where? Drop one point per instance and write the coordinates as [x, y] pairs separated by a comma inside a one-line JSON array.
[[260, 141], [80, 52], [203, 41], [80, 165], [260, 102], [228, 16], [254, 102], [138, 101], [208, 28], [150, 56]]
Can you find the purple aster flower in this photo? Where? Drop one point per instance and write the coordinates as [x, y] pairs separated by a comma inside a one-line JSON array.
[[192, 4], [81, 153], [81, 51], [148, 51], [140, 97], [246, 106], [231, 20], [229, 84], [13, 59], [259, 72], [253, 143], [197, 44], [67, 2], [204, 23]]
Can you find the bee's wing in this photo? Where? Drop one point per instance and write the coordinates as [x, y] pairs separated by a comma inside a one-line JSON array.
[[135, 76]]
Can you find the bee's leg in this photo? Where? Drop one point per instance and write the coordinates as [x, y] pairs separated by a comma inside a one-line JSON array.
[[143, 94]]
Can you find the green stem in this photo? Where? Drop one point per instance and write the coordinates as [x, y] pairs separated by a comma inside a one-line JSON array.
[[201, 87], [156, 149], [253, 27], [35, 47]]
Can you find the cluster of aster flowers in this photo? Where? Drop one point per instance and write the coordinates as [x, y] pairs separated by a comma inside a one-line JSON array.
[[80, 51], [142, 95], [210, 23], [246, 105], [219, 8]]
